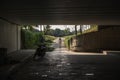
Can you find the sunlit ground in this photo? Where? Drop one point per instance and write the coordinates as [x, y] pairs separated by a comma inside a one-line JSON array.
[[84, 53], [67, 52]]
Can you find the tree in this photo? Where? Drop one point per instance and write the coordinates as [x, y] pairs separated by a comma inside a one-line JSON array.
[[30, 27], [24, 27], [27, 27], [81, 27], [57, 32], [47, 29], [67, 31], [76, 30]]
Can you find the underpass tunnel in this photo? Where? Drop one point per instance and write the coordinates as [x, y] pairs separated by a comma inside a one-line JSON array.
[[71, 65], [106, 38], [13, 14]]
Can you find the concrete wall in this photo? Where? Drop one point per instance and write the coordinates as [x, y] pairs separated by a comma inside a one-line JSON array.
[[9, 36], [105, 39]]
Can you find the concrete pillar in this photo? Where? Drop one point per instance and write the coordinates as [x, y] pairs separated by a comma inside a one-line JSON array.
[[18, 37]]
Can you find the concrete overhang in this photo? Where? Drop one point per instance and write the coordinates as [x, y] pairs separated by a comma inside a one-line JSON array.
[[61, 11]]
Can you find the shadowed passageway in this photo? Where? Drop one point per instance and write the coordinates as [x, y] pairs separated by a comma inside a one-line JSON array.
[[65, 65], [62, 64]]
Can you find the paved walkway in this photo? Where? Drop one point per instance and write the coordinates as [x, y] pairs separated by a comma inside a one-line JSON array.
[[62, 65], [15, 59], [66, 65]]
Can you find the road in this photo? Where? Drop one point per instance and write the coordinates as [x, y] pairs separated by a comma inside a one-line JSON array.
[[66, 65]]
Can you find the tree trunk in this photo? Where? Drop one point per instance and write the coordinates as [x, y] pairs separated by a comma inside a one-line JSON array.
[[76, 30], [80, 29]]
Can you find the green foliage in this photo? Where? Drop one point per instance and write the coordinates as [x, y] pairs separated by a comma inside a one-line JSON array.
[[67, 40], [49, 38], [93, 28], [30, 39], [47, 29], [59, 33]]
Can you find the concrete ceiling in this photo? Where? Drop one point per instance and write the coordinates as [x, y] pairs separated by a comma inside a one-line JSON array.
[[61, 11]]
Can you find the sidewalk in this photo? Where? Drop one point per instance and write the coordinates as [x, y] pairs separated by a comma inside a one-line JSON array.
[[15, 60]]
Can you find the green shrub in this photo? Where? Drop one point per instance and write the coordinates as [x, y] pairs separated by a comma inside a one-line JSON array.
[[30, 39], [49, 38]]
